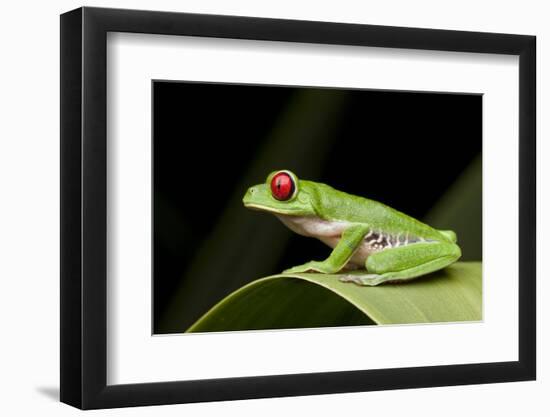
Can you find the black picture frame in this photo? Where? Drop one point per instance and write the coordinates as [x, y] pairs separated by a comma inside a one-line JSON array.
[[83, 207]]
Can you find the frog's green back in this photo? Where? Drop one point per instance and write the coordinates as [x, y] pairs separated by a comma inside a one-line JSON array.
[[331, 204]]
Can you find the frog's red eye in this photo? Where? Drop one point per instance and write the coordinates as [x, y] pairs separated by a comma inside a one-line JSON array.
[[282, 186]]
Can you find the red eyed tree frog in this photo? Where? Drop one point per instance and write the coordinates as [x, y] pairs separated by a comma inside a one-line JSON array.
[[365, 235]]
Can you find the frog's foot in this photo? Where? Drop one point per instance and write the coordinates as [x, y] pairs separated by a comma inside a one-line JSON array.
[[312, 266], [366, 280]]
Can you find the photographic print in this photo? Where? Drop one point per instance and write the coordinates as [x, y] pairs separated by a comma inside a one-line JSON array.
[[293, 190], [284, 207]]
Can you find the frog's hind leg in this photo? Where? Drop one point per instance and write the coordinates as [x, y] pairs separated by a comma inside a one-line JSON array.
[[405, 263]]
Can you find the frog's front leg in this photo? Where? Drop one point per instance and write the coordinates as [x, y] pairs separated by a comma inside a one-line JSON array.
[[405, 262], [349, 242]]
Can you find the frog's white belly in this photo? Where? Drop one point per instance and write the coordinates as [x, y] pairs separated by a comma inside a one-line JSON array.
[[330, 232], [312, 226], [361, 254]]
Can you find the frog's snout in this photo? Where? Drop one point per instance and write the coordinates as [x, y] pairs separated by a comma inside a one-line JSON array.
[[249, 195]]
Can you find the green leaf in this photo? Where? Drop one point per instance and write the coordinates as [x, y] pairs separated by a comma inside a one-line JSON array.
[[308, 300]]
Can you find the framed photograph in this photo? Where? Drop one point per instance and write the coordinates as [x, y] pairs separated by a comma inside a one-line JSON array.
[[257, 207]]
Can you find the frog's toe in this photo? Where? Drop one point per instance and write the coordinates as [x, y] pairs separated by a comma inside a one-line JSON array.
[[367, 280], [307, 267], [297, 269]]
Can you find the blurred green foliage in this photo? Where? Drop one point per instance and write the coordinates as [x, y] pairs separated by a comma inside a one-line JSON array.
[[460, 209]]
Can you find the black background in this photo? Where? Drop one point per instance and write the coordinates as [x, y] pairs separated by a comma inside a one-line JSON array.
[[213, 141]]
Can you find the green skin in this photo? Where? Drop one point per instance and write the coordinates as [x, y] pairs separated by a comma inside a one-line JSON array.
[[383, 244]]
